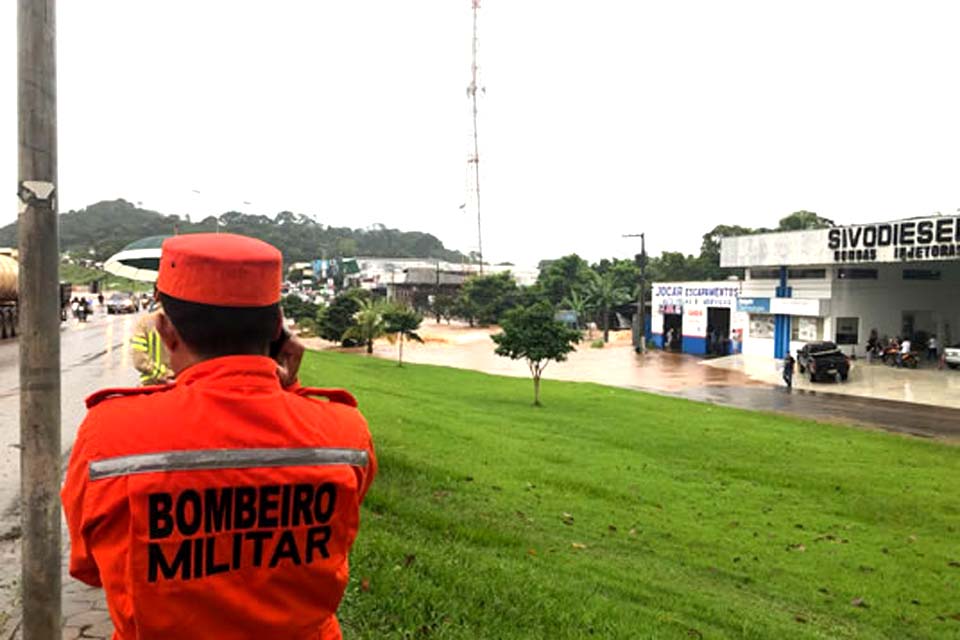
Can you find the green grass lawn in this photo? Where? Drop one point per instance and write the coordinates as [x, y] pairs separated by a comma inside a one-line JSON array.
[[616, 514]]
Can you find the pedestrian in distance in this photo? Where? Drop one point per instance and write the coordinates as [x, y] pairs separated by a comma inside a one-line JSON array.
[[905, 348], [932, 349], [150, 358], [224, 505], [873, 346], [788, 365]]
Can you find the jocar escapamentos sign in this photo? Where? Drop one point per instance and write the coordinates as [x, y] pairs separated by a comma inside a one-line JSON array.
[[925, 239], [705, 294]]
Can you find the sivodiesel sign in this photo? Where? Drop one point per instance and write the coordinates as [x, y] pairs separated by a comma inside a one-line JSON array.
[[919, 239], [929, 239]]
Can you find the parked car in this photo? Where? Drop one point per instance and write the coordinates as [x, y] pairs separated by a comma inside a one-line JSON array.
[[951, 356], [121, 303], [823, 361]]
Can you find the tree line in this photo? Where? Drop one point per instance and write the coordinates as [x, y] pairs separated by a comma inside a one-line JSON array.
[[592, 292], [100, 230]]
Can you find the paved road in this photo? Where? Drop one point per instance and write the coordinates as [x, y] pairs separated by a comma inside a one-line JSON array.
[[920, 420], [93, 356]]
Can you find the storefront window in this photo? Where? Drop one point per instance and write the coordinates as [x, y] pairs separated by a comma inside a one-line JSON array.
[[855, 273], [848, 330], [807, 274], [920, 274], [805, 329], [761, 326]]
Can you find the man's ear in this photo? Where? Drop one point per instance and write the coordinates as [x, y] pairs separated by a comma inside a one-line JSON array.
[[168, 332]]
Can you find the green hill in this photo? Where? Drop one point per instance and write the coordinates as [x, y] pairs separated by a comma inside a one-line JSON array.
[[102, 229]]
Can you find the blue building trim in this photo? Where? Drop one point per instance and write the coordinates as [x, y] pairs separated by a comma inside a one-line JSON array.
[[655, 339], [781, 322], [694, 344]]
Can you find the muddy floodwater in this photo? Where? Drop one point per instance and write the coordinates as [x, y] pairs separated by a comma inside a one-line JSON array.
[[615, 364], [756, 386]]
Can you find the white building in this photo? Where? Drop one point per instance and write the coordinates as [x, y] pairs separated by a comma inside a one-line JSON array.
[[701, 317], [381, 272], [900, 278]]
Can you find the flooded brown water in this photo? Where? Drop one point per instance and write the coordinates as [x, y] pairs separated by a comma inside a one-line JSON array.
[[672, 374], [616, 364]]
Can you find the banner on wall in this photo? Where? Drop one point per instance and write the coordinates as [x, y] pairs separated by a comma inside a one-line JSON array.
[[753, 305]]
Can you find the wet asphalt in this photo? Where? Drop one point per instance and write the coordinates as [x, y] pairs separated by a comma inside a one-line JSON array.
[[93, 355], [924, 421]]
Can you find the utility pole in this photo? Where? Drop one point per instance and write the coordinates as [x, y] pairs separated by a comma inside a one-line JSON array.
[[640, 337], [475, 158], [436, 294], [39, 304]]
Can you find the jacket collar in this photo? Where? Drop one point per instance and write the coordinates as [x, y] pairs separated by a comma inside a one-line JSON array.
[[256, 371]]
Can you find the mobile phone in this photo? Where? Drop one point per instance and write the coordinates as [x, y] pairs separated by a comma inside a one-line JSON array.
[[277, 344]]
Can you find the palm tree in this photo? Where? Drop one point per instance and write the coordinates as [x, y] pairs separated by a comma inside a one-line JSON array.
[[404, 322], [605, 293], [368, 324], [577, 303]]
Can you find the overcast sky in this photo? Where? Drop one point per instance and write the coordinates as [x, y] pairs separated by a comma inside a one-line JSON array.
[[599, 118]]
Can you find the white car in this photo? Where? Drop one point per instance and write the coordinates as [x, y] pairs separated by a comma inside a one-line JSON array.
[[952, 356]]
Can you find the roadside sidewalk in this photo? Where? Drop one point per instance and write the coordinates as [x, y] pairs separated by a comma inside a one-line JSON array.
[[84, 608]]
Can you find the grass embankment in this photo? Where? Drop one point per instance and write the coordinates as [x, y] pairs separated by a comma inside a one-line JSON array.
[[616, 514], [76, 274]]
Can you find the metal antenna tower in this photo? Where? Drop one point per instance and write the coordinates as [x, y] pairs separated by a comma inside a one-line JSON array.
[[475, 158]]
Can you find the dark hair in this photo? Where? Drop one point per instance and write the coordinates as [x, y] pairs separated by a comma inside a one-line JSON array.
[[213, 331]]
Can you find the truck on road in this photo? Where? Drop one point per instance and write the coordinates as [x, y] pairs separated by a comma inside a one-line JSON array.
[[9, 274], [9, 291]]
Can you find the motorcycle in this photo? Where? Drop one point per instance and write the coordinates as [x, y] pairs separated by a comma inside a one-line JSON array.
[[910, 360], [890, 355]]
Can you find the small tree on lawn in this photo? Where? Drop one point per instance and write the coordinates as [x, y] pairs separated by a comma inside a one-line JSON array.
[[404, 322], [368, 324], [533, 334]]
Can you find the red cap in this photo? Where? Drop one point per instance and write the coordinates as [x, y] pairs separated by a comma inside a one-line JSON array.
[[220, 269]]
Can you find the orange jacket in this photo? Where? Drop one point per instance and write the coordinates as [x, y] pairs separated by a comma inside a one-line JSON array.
[[222, 506]]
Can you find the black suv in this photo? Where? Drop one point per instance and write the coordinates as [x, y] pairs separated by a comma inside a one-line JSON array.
[[823, 361]]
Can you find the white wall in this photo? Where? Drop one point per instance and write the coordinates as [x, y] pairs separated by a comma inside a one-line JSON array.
[[758, 347]]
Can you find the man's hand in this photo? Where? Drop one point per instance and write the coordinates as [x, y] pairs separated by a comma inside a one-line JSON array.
[[288, 360]]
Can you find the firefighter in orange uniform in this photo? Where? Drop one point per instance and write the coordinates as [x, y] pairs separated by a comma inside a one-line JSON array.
[[224, 505]]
